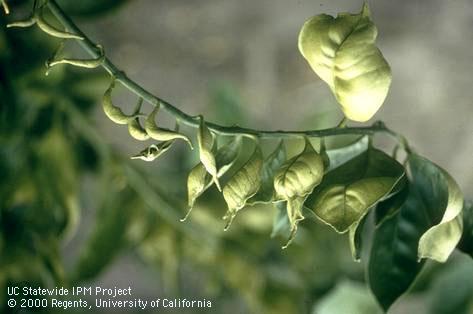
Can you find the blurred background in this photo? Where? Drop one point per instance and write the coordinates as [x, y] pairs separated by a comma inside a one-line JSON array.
[[76, 211]]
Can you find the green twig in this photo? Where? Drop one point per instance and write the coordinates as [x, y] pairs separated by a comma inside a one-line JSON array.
[[193, 121]]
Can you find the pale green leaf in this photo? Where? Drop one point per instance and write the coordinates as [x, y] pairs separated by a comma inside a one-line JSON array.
[[342, 52], [295, 180], [199, 180], [299, 175], [270, 166], [348, 192], [243, 185], [206, 142], [162, 134]]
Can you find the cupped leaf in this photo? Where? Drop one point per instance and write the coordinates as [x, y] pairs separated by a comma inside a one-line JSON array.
[[342, 52], [466, 242], [348, 192], [199, 180], [296, 179], [243, 185], [162, 134], [443, 202], [272, 163], [206, 142]]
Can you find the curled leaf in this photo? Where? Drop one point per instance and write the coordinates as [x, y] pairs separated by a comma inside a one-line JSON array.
[[271, 164], [51, 30], [206, 142], [114, 113], [349, 191], [5, 6], [199, 180], [426, 225], [23, 23], [295, 180], [162, 134], [439, 241], [355, 241], [243, 185], [83, 63], [134, 127], [153, 151], [342, 52]]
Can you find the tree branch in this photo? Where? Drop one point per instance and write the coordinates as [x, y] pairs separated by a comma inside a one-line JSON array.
[[193, 121]]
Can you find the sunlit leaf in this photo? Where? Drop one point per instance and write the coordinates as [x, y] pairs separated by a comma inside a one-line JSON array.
[[342, 52], [243, 185], [295, 180], [270, 165], [349, 191]]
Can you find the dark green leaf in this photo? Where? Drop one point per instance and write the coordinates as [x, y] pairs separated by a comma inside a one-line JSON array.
[[393, 262], [466, 242], [443, 203], [398, 241], [387, 208]]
